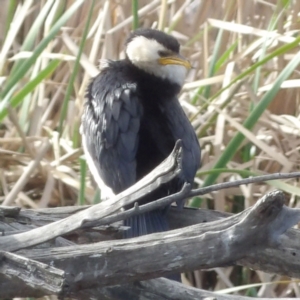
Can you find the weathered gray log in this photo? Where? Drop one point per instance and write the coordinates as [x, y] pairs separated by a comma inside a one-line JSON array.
[[157, 289], [260, 228], [284, 213], [281, 259], [220, 243], [95, 215], [28, 277]]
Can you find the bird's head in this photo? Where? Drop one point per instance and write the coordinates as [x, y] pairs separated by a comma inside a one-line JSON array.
[[157, 53]]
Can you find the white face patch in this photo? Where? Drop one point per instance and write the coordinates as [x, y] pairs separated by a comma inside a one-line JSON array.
[[143, 53]]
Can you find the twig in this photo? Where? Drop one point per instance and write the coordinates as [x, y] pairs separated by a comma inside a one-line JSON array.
[[257, 179], [185, 193], [136, 210]]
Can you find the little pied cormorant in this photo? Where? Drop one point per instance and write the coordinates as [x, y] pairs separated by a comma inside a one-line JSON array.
[[132, 119]]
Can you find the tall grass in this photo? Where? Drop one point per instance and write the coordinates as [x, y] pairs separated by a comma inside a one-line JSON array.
[[242, 97]]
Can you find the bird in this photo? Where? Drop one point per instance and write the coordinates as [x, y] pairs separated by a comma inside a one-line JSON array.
[[132, 119]]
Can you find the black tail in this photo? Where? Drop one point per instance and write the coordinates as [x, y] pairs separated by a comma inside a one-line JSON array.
[[150, 222]]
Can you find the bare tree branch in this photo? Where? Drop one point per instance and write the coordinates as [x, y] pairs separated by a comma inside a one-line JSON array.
[[97, 268], [165, 172], [158, 289], [221, 242], [31, 276], [256, 179]]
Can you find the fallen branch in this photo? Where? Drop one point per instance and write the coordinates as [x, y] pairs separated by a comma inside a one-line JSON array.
[[166, 171], [100, 266], [28, 276], [221, 242], [158, 289]]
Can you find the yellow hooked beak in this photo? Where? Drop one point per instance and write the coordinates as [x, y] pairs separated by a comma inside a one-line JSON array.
[[175, 60]]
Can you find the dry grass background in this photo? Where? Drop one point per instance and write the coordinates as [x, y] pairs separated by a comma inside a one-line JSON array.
[[41, 161]]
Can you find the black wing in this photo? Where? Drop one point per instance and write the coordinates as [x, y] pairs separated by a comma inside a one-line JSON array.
[[110, 125], [182, 129]]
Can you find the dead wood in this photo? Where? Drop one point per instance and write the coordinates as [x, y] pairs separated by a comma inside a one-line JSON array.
[[220, 242], [258, 237]]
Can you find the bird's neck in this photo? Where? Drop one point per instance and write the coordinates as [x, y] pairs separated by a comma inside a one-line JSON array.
[[154, 85]]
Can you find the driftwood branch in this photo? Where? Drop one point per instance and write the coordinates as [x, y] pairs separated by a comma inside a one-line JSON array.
[[91, 216], [158, 289], [281, 259], [29, 275], [231, 184], [221, 242], [108, 269]]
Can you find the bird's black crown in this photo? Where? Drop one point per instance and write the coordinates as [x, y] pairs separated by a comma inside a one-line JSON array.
[[166, 40]]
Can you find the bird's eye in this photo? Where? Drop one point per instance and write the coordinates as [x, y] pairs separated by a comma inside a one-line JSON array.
[[164, 53]]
